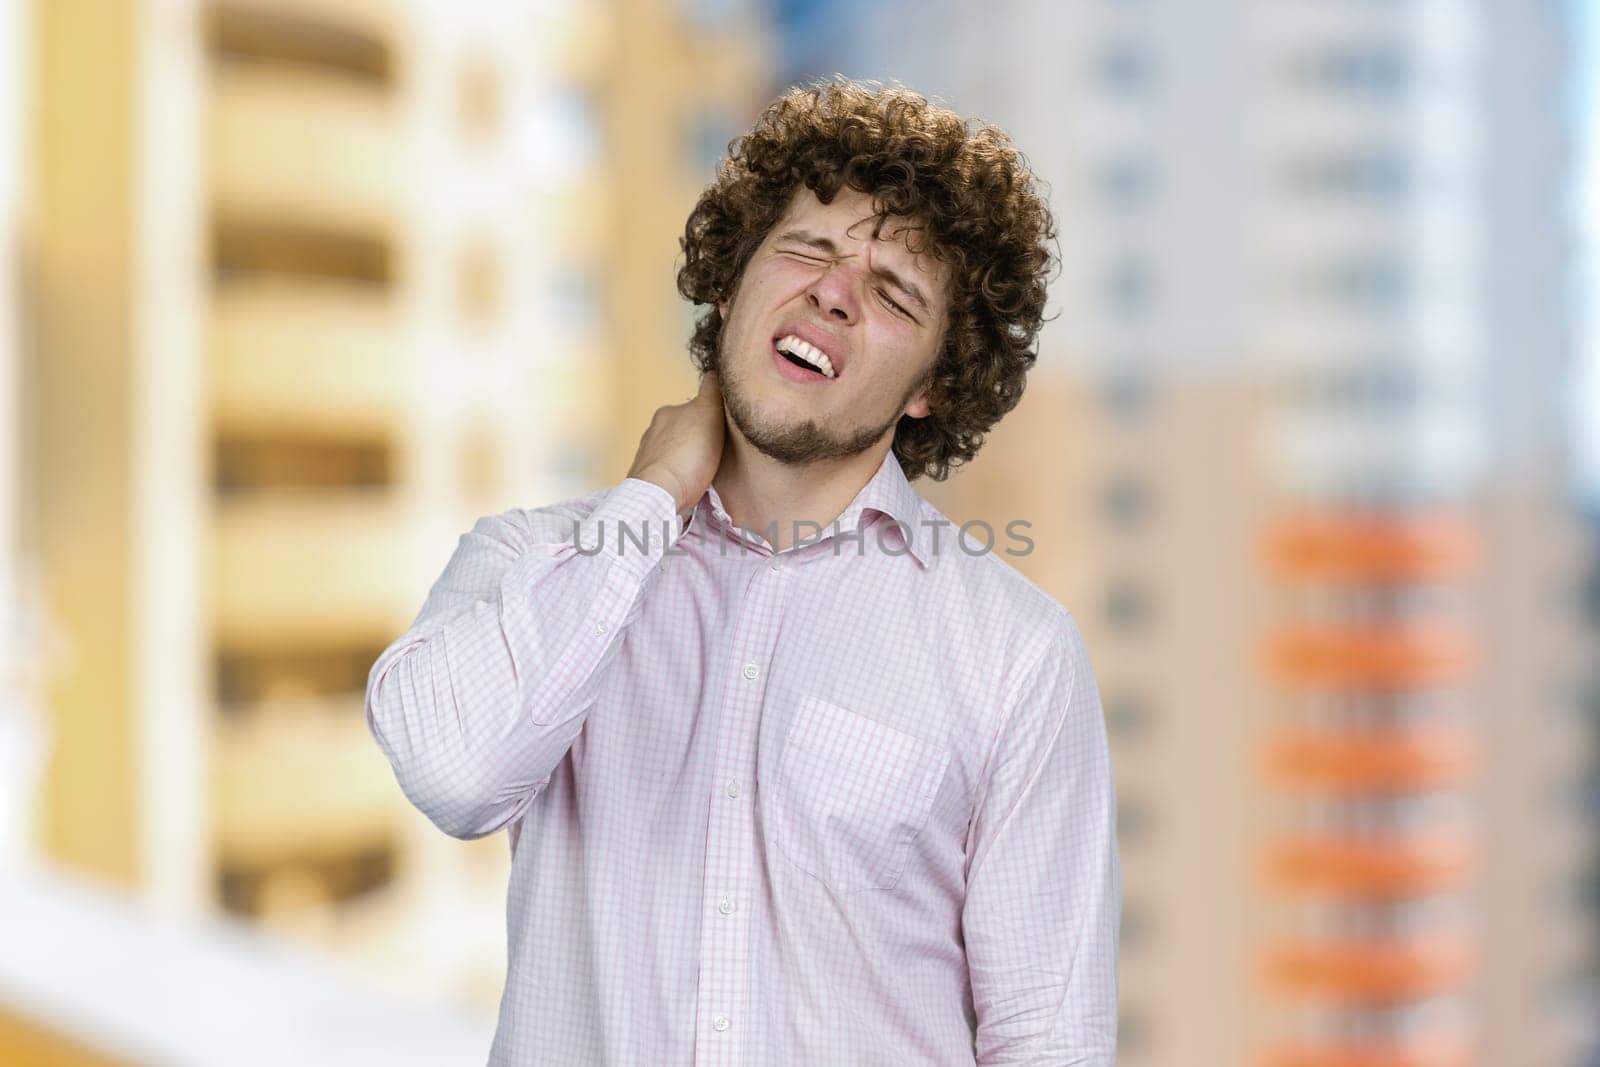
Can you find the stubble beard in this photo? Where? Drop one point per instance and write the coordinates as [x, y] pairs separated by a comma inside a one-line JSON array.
[[795, 443]]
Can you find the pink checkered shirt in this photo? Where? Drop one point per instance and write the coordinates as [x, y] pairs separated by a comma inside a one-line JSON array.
[[850, 803]]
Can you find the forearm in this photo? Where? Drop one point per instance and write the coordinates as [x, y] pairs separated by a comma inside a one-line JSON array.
[[477, 703]]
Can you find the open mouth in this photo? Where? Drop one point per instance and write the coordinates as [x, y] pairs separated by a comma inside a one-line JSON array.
[[796, 360], [804, 357]]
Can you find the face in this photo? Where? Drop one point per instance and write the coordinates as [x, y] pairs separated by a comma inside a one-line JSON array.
[[824, 289]]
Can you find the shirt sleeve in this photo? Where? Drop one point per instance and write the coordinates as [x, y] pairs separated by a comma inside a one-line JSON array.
[[478, 701], [1044, 885]]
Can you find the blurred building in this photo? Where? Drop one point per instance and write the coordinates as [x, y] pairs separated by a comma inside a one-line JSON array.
[[313, 285], [292, 291], [284, 352], [1541, 974], [22, 641], [1589, 795], [1144, 529], [1305, 408], [685, 78]]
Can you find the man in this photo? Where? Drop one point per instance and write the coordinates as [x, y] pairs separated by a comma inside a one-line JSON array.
[[835, 790]]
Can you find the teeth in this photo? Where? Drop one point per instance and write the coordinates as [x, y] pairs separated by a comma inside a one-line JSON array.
[[808, 352]]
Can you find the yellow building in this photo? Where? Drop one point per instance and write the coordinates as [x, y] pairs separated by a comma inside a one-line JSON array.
[[683, 80], [314, 285]]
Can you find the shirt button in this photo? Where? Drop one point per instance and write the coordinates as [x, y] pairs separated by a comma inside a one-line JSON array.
[[751, 670], [726, 906], [776, 564], [733, 788], [599, 627], [720, 1023]]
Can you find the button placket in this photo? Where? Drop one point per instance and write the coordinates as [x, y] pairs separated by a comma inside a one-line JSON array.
[[732, 843], [733, 848]]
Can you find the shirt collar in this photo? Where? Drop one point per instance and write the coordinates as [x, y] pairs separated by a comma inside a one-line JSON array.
[[888, 493]]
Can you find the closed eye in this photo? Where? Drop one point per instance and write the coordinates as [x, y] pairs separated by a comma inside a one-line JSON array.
[[883, 294]]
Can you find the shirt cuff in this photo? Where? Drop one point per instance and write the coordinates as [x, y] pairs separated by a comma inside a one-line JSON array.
[[636, 523]]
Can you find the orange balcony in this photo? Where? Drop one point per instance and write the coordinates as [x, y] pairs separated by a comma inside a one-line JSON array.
[[1358, 548], [1345, 761], [1440, 1052], [1370, 867], [1368, 970], [1393, 656]]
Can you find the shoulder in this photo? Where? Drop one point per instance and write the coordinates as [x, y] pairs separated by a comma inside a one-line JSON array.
[[976, 564], [1004, 609], [548, 524]]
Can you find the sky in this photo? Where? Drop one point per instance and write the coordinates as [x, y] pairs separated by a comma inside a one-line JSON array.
[[1584, 103]]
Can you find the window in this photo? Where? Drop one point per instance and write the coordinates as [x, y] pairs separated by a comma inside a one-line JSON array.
[[1371, 70], [1587, 791], [1133, 820], [1127, 714], [480, 103], [1133, 1030], [1384, 175], [577, 462], [244, 250], [1125, 68], [709, 132], [244, 676], [1125, 500], [575, 296], [1136, 923], [479, 461], [1127, 394], [1127, 181], [1379, 282], [1127, 605], [1386, 387], [477, 283], [257, 35], [1590, 600], [1129, 286], [249, 460], [257, 888], [712, 16]]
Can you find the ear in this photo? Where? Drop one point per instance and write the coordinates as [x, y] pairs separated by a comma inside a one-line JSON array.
[[917, 403], [917, 407]]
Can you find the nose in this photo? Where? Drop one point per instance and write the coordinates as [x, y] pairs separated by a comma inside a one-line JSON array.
[[834, 294]]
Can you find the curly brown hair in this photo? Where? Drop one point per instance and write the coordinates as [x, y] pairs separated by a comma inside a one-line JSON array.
[[963, 186]]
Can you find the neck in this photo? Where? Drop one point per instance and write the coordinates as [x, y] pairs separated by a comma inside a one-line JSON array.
[[759, 492]]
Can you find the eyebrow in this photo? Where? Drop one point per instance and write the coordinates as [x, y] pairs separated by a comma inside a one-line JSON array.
[[826, 244]]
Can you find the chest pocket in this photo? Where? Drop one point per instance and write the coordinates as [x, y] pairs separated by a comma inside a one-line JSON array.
[[852, 796]]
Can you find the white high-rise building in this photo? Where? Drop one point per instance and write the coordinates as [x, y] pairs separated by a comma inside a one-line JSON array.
[[1311, 367]]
